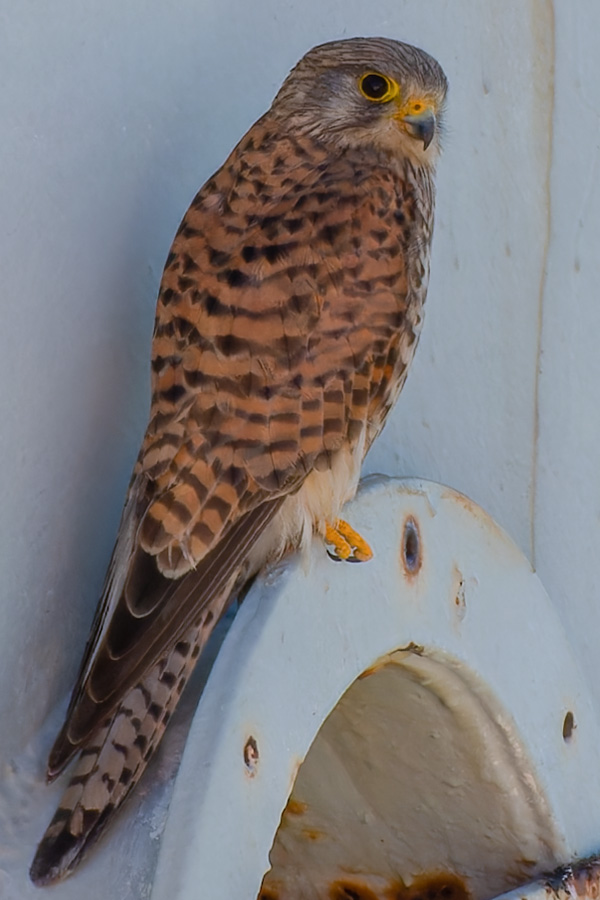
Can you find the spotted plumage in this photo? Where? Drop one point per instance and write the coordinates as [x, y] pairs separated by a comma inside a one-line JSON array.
[[288, 314]]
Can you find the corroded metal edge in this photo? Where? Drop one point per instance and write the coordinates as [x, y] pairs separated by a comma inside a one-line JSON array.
[[579, 880]]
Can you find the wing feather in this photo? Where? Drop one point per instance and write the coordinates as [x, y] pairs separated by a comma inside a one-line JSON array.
[[130, 643]]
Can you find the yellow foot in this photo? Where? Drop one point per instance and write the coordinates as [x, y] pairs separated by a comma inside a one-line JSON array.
[[347, 543]]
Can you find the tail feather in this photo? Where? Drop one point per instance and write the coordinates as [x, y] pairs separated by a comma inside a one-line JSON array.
[[113, 763]]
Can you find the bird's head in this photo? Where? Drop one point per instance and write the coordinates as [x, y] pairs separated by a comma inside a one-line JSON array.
[[367, 91]]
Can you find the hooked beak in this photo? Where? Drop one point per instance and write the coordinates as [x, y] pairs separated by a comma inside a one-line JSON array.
[[421, 126]]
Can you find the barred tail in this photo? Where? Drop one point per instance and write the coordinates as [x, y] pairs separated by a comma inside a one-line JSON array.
[[109, 768]]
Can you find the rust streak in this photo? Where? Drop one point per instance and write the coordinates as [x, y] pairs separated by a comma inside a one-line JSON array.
[[296, 807], [313, 834], [351, 890], [436, 886]]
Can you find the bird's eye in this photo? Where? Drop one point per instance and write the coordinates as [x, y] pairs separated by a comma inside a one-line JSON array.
[[377, 87]]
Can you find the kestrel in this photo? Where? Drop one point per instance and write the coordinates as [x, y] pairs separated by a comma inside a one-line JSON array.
[[289, 311]]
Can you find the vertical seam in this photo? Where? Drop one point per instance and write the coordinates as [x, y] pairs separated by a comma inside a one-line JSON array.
[[542, 292]]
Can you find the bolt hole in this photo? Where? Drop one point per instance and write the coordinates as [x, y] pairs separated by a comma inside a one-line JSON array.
[[251, 755], [568, 726], [411, 547]]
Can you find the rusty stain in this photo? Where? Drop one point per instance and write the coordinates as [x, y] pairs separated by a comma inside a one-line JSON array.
[[251, 756], [520, 870], [460, 603], [432, 886], [437, 886], [476, 512], [313, 834], [580, 880], [296, 807], [351, 890], [417, 649], [411, 552], [268, 894], [467, 504], [587, 884], [271, 888], [376, 667], [392, 659]]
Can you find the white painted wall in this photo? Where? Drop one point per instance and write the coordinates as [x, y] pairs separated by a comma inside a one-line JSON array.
[[113, 114]]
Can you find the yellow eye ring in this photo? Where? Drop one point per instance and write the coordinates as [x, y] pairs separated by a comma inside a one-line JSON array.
[[378, 88]]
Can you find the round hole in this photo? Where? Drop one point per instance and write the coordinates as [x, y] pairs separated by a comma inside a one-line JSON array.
[[411, 547], [568, 726]]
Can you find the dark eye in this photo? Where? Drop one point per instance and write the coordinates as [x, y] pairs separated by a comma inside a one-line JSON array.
[[377, 87]]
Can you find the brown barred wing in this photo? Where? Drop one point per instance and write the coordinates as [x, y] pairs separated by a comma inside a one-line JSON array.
[[279, 324], [140, 625]]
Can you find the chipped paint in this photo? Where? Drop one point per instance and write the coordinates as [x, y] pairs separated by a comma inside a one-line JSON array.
[[458, 595], [580, 880]]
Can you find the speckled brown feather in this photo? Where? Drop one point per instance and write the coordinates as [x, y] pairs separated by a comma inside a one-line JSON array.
[[289, 311], [276, 332], [262, 369]]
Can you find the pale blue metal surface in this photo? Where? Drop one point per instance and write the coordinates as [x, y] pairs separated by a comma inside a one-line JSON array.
[[303, 637]]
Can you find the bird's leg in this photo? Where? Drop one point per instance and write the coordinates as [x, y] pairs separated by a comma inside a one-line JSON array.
[[347, 543]]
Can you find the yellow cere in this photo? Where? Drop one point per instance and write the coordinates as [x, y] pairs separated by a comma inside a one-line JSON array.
[[377, 87]]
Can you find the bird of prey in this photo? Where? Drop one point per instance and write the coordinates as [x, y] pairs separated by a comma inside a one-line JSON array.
[[289, 311]]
